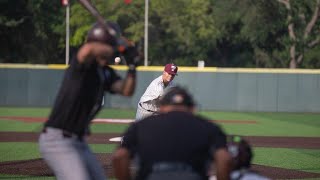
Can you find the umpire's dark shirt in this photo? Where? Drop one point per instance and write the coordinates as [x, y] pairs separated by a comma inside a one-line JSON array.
[[80, 96], [173, 137]]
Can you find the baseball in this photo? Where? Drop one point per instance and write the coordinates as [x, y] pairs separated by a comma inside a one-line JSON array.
[[117, 60]]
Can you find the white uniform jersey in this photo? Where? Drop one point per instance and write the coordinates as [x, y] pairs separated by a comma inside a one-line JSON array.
[[148, 102]]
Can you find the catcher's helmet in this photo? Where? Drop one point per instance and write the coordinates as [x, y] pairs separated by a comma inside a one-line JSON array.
[[98, 33], [240, 152]]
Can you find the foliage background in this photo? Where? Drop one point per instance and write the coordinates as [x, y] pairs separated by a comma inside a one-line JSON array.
[[246, 33]]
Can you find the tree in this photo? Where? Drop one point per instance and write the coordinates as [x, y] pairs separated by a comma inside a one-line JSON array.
[[30, 31], [265, 25], [256, 27], [188, 28], [303, 28], [49, 31], [233, 33], [13, 16]]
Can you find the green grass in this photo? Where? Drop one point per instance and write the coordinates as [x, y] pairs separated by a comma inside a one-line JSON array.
[[10, 176], [103, 148], [11, 151], [272, 128], [298, 159], [111, 128], [10, 125], [117, 113], [17, 126], [268, 124], [44, 112], [29, 112], [15, 177], [15, 151]]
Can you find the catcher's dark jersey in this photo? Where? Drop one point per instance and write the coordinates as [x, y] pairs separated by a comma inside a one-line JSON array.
[[80, 96], [173, 137]]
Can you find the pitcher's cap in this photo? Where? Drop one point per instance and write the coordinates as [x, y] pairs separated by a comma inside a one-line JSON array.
[[171, 69]]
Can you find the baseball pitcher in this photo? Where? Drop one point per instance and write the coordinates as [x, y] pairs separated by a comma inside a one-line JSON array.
[[148, 104]]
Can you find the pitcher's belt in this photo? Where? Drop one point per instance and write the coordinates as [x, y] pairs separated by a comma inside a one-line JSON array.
[[140, 104]]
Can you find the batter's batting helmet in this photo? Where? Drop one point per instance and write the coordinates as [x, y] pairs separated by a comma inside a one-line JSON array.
[[98, 33]]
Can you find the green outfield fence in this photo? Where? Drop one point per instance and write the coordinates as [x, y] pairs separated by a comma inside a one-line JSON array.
[[218, 89]]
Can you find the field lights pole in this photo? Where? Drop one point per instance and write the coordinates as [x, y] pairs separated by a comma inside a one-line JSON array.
[[67, 32], [146, 10]]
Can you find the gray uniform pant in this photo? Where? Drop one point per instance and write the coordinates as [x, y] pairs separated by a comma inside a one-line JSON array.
[[69, 157], [142, 113]]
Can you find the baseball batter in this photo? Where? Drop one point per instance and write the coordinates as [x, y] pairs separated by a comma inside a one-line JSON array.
[[62, 142], [148, 104]]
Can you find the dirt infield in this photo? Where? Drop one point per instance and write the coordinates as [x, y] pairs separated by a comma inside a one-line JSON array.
[[256, 141], [37, 167]]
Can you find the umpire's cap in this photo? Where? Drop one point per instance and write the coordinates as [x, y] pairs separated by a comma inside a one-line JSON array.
[[177, 96]]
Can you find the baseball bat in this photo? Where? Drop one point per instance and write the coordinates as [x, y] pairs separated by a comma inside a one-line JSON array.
[[93, 11], [122, 42]]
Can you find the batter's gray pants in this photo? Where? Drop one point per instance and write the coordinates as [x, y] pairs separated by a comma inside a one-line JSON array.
[[142, 113], [69, 157]]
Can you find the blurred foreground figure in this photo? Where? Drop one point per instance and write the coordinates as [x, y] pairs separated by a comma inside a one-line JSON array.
[[242, 155], [62, 141], [176, 144]]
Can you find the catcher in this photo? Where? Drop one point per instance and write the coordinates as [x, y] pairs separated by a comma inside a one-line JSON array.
[[241, 154]]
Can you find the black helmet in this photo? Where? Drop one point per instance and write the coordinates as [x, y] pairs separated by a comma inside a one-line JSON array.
[[177, 96], [240, 151], [99, 33]]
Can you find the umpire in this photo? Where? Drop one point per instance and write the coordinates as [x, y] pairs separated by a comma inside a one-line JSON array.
[[62, 143], [176, 144]]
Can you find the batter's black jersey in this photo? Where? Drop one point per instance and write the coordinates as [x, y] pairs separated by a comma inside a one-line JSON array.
[[173, 137], [80, 96]]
